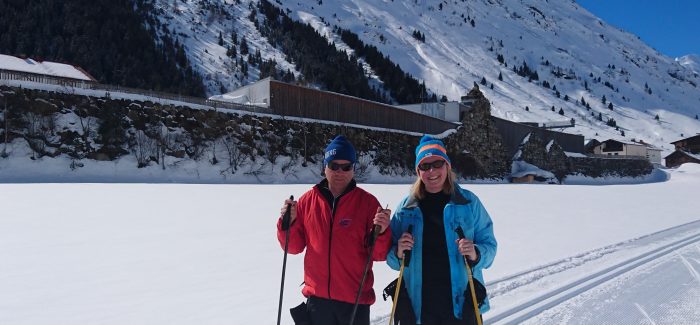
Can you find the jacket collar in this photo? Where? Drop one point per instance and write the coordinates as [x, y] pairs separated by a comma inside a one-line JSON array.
[[326, 192], [456, 199]]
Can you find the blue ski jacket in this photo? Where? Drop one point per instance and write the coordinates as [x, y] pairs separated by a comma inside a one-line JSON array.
[[465, 210]]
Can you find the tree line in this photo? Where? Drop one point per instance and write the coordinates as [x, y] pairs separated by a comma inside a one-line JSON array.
[[115, 41]]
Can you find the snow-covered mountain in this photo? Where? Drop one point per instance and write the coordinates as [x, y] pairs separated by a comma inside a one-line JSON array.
[[565, 53], [690, 61]]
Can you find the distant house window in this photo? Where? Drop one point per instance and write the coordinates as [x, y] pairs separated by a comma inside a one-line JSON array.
[[616, 154]]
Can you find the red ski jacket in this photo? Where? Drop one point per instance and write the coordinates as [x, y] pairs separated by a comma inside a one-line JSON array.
[[336, 233]]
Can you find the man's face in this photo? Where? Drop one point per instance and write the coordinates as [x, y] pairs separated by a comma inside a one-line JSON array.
[[340, 177]]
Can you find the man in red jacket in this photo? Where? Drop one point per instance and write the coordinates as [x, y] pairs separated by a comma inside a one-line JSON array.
[[334, 221]]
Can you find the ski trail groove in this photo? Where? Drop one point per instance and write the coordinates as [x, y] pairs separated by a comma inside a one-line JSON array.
[[529, 309]]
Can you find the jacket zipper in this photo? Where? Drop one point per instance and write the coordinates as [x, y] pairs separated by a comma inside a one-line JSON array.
[[330, 242]]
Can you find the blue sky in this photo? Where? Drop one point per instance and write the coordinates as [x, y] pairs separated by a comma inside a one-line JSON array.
[[670, 26]]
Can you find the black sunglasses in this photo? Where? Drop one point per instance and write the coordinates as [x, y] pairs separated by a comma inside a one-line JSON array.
[[434, 165], [345, 167]]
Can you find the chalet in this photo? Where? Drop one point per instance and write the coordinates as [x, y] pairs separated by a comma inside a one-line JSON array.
[[687, 151], [612, 147], [680, 157], [632, 149], [691, 144]]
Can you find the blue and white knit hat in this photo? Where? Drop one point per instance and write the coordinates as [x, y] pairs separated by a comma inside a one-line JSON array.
[[429, 147], [339, 149]]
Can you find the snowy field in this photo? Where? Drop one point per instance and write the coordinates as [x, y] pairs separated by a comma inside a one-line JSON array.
[[207, 254]]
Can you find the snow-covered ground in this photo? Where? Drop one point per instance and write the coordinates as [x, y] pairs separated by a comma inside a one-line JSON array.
[[207, 254]]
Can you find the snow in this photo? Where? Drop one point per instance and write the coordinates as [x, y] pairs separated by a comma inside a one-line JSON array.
[[455, 55], [12, 63], [521, 168], [207, 254], [691, 61]]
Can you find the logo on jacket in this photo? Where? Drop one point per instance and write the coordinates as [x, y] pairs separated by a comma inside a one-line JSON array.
[[345, 222]]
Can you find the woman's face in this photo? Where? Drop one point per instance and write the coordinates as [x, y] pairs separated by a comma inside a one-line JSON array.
[[434, 177]]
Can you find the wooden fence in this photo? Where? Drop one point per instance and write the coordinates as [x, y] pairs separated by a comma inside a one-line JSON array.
[[292, 100]]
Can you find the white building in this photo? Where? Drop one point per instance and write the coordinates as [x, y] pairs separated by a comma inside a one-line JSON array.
[[447, 111], [10, 64], [629, 149]]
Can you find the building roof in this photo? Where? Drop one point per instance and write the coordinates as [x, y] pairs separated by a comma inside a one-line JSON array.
[[8, 62], [624, 142], [683, 153], [695, 137]]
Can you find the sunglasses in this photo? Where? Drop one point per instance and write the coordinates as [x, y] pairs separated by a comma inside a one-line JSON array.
[[345, 167], [434, 165]]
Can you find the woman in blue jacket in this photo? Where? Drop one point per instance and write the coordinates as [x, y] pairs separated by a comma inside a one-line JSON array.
[[436, 278]]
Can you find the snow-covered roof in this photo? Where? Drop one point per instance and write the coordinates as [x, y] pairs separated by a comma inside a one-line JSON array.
[[521, 168], [687, 139], [8, 62], [624, 142], [686, 153]]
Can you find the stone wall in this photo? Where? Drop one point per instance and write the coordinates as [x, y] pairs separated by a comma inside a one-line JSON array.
[[81, 127], [476, 149], [607, 167]]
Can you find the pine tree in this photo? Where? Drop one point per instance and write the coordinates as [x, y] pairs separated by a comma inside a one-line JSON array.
[[610, 106], [604, 100], [483, 81], [553, 109], [656, 117], [561, 111], [696, 116], [231, 52], [566, 98], [500, 76], [234, 37], [221, 39], [244, 46]]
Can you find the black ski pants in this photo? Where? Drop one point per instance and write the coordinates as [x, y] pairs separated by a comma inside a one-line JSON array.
[[333, 312]]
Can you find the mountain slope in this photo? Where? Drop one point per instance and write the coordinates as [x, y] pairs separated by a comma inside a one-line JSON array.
[[561, 53]]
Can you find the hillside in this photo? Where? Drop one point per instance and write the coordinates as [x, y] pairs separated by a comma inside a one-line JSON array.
[[562, 55]]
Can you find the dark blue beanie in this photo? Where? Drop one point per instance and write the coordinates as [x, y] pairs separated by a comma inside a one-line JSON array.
[[339, 149], [429, 147]]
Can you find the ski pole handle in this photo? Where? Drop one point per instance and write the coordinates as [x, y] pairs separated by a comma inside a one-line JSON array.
[[287, 214], [407, 253], [460, 234], [375, 232]]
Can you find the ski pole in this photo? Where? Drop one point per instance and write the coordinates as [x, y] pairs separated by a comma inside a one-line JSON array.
[[373, 239], [404, 262], [285, 227], [477, 314]]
